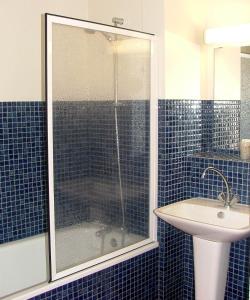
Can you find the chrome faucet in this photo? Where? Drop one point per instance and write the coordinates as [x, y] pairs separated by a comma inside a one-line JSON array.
[[228, 199]]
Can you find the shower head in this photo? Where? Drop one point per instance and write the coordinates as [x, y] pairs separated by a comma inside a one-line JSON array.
[[109, 36]]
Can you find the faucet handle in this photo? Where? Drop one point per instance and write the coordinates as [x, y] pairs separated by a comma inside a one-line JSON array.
[[235, 199], [222, 197]]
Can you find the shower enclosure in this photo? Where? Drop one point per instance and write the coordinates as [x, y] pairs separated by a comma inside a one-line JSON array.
[[101, 151]]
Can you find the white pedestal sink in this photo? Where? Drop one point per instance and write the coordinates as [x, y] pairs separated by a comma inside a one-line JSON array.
[[213, 228]]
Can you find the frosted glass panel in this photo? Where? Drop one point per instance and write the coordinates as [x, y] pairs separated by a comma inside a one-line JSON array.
[[84, 65], [133, 68], [101, 112]]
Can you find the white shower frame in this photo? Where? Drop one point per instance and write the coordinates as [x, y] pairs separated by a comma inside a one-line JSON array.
[[152, 240]]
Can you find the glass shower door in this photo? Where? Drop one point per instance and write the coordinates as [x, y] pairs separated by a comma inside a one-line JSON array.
[[100, 147]]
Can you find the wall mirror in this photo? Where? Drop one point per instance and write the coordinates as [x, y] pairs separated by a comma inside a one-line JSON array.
[[228, 115]]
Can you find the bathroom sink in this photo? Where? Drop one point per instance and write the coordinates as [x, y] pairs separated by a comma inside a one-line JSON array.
[[208, 219], [213, 228]]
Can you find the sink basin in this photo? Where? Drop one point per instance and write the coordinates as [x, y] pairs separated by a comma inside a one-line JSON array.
[[213, 228], [208, 219]]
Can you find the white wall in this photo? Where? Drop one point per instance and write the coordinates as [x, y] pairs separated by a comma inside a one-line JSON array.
[[21, 73], [182, 68], [130, 10], [153, 20], [21, 44], [207, 72], [184, 25], [189, 70], [227, 73], [186, 18], [227, 13]]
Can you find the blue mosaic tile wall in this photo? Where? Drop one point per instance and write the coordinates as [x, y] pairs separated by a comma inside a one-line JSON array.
[[182, 128], [180, 134], [23, 132], [214, 125], [23, 169], [221, 122], [24, 193], [226, 126], [135, 279], [237, 173], [244, 119]]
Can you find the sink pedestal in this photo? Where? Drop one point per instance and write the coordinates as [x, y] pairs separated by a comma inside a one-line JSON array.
[[211, 260]]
